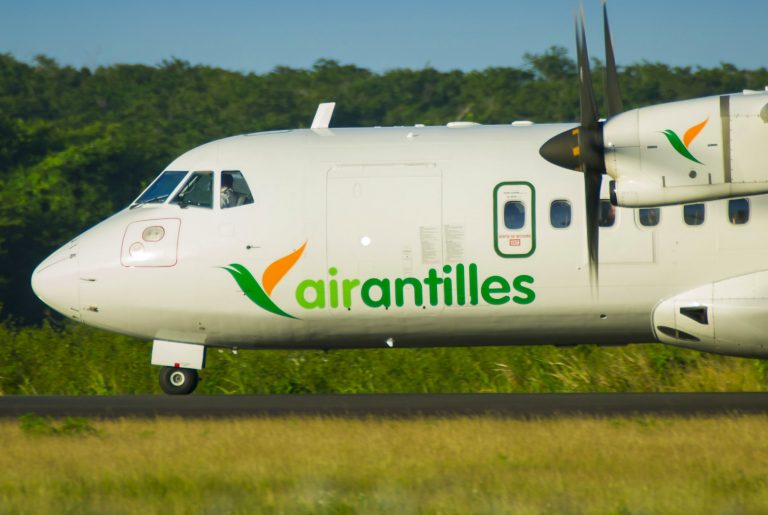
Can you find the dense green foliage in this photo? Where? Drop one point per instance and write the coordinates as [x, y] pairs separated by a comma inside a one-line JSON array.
[[82, 360], [76, 145]]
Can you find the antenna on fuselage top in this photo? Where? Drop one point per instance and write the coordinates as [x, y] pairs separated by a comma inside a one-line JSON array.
[[323, 115]]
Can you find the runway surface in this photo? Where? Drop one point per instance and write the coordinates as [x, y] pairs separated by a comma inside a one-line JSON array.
[[396, 405]]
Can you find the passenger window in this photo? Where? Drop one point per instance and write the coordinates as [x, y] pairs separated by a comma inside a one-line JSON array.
[[738, 211], [607, 215], [693, 214], [198, 191], [514, 215], [560, 214], [234, 190], [650, 216]]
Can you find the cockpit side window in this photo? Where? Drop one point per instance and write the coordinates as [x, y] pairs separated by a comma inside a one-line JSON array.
[[234, 190], [160, 189], [198, 191]]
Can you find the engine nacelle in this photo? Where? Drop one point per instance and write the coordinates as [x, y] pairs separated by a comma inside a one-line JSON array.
[[726, 317], [695, 150]]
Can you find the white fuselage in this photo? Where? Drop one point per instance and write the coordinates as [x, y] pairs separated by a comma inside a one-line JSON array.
[[378, 206]]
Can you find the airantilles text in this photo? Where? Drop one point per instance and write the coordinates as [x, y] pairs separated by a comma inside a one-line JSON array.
[[457, 286]]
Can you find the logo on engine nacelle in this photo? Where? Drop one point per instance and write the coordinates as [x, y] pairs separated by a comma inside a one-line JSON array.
[[681, 146]]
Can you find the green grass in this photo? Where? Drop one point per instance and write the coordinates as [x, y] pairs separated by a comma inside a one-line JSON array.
[[82, 360], [322, 465]]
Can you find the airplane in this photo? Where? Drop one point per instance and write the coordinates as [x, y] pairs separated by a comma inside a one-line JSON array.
[[464, 234]]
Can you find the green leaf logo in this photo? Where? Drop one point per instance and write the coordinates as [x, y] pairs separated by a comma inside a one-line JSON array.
[[258, 294], [682, 145]]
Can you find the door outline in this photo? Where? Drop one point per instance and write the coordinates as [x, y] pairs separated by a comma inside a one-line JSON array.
[[496, 190]]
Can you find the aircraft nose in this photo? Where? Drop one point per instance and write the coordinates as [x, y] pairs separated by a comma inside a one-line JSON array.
[[55, 281]]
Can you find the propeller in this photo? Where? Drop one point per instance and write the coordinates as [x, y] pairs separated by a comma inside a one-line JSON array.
[[612, 94], [582, 149]]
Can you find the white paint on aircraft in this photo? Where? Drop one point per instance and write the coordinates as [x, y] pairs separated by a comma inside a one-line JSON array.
[[432, 236]]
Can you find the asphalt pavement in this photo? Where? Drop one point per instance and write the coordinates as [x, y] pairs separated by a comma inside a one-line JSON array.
[[389, 405]]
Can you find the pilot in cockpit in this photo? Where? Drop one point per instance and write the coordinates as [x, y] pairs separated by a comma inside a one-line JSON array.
[[228, 195]]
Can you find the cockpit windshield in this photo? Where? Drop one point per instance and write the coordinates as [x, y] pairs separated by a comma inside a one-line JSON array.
[[198, 191], [161, 189]]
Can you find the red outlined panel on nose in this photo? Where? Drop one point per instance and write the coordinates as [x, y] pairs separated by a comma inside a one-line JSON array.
[[151, 243]]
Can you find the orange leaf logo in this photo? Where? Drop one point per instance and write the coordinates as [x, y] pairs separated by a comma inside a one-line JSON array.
[[279, 268], [259, 294], [694, 131]]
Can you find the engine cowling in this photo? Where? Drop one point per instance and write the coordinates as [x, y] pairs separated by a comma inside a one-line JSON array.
[[726, 317], [689, 151]]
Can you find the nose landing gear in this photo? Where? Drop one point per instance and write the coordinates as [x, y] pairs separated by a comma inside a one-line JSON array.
[[180, 362], [178, 381]]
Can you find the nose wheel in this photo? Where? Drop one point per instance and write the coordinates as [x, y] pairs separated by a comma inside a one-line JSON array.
[[178, 381]]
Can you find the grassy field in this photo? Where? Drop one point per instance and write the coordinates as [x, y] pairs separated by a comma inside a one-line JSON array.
[[79, 360], [322, 465]]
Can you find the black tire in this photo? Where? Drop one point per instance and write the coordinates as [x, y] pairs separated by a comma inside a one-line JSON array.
[[178, 381]]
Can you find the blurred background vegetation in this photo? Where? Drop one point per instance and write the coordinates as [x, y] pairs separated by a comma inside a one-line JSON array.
[[77, 145], [79, 360]]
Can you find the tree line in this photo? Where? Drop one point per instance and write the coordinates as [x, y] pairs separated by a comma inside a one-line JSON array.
[[78, 144]]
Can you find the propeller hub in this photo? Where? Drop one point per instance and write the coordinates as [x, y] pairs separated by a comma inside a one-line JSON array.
[[563, 150], [576, 149]]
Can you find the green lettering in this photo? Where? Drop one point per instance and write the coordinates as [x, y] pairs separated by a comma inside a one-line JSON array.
[[447, 286], [384, 297], [400, 284], [333, 288], [528, 294], [433, 281], [375, 293], [348, 285], [473, 284], [460, 294], [488, 290], [318, 300]]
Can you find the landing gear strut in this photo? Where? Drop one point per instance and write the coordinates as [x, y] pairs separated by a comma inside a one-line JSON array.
[[178, 381]]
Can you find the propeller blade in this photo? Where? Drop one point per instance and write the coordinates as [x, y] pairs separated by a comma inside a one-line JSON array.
[[612, 93], [590, 133], [582, 148], [589, 117], [592, 183], [591, 150]]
